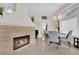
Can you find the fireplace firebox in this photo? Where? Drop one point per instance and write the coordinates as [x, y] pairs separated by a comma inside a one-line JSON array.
[[19, 42]]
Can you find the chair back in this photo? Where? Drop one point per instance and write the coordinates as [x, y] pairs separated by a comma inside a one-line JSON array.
[[69, 35], [53, 37]]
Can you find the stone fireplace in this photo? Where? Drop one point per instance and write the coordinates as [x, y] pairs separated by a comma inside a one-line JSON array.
[[21, 41], [14, 37]]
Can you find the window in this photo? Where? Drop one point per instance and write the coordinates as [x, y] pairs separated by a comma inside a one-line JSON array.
[[44, 17]]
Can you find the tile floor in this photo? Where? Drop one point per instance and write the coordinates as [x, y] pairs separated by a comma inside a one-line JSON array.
[[41, 47]]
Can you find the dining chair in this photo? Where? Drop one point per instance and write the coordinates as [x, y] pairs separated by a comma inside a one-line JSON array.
[[68, 37], [53, 37]]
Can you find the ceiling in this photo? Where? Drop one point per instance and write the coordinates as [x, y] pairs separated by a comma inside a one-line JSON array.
[[42, 9], [64, 10], [38, 9]]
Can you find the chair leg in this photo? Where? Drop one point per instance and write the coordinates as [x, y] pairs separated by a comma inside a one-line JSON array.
[[59, 42], [57, 46], [69, 43], [49, 44]]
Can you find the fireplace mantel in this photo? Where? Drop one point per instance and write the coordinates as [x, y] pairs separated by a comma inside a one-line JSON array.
[[8, 32]]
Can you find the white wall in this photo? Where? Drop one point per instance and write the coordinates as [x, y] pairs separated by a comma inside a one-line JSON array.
[[50, 22], [51, 25], [18, 18], [69, 24], [78, 24]]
